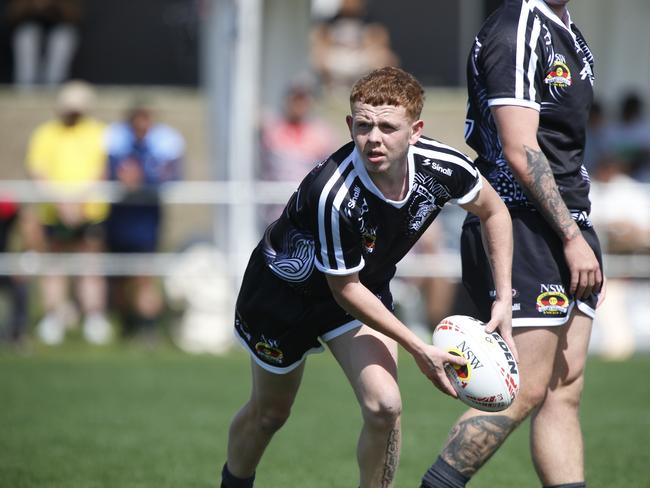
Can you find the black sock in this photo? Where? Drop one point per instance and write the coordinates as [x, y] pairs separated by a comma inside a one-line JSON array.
[[228, 480], [442, 475], [580, 484]]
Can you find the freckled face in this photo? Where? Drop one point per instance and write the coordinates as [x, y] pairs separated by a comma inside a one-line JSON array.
[[382, 135]]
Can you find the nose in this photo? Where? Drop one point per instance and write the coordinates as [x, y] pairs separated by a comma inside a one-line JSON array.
[[374, 136]]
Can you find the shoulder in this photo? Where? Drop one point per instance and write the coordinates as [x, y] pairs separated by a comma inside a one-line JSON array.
[[46, 129], [328, 176], [92, 125], [166, 141], [427, 150], [502, 25]]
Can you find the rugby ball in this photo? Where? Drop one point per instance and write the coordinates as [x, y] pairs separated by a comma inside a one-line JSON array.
[[490, 379]]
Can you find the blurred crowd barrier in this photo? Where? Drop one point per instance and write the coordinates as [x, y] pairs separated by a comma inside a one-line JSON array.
[[196, 278]]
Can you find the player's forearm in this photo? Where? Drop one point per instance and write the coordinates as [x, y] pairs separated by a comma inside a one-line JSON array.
[[534, 174], [497, 240], [362, 304]]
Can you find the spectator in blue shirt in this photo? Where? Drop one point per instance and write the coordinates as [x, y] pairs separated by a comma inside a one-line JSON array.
[[143, 154]]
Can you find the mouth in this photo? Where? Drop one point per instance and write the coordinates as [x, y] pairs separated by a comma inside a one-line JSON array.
[[375, 157]]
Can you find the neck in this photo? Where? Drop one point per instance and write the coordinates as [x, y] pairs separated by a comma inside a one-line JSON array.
[[561, 11], [393, 185]]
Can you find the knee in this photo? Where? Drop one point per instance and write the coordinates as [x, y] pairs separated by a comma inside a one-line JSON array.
[[383, 414], [528, 399], [271, 419], [566, 395]]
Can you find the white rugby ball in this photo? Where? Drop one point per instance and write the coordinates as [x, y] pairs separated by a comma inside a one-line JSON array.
[[490, 380]]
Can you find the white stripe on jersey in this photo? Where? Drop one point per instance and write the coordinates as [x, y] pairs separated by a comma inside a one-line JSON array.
[[532, 63], [450, 158], [322, 200], [336, 205], [521, 50], [514, 101]]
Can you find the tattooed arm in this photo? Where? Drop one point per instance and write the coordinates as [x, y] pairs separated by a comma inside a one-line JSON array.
[[517, 128]]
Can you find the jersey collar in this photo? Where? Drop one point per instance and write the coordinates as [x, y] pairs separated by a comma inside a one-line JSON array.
[[370, 185], [546, 10]]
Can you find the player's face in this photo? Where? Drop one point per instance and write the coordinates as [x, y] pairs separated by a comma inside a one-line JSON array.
[[382, 135]]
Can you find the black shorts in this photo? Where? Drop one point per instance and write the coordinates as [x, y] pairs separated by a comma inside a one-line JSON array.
[[540, 276], [279, 325]]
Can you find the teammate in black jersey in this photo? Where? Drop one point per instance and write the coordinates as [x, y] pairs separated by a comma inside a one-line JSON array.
[[321, 274], [530, 76]]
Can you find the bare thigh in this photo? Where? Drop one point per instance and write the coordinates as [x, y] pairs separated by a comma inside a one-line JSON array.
[[369, 360]]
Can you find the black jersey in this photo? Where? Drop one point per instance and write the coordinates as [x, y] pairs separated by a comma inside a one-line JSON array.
[[525, 55], [338, 222]]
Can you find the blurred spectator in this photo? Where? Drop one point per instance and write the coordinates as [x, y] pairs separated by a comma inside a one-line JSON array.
[[14, 328], [595, 138], [621, 214], [621, 210], [45, 39], [628, 139], [293, 141], [70, 150], [349, 45], [143, 154]]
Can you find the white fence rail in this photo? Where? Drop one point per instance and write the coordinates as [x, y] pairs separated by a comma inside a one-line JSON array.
[[207, 193]]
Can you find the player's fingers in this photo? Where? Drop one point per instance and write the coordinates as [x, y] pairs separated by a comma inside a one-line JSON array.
[[453, 359], [573, 285], [588, 285], [581, 285], [599, 281], [491, 326], [442, 382], [511, 344]]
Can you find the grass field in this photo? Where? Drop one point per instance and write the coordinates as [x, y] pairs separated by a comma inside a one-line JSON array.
[[125, 417]]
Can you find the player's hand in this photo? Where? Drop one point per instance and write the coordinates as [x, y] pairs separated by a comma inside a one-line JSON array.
[[431, 362], [586, 276], [501, 320]]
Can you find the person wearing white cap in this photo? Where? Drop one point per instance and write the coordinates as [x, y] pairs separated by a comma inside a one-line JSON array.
[[70, 150]]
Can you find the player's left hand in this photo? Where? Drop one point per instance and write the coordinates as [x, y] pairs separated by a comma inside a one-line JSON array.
[[501, 319]]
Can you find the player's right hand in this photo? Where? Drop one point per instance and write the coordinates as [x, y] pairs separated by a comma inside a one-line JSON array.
[[586, 275], [431, 362]]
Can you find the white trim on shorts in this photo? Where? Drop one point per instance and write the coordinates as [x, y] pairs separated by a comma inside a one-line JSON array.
[[340, 330], [276, 369], [586, 309], [554, 322]]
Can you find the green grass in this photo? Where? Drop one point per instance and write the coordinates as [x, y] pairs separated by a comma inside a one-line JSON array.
[[85, 417]]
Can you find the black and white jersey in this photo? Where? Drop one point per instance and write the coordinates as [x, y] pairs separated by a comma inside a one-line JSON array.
[[338, 222], [525, 55]]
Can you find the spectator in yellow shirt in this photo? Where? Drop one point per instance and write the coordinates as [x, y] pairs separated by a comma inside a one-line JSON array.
[[70, 151]]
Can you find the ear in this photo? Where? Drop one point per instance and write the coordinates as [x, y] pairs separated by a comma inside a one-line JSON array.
[[416, 131], [348, 120]]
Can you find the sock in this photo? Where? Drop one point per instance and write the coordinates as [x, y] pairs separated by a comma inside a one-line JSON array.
[[442, 475], [580, 484], [228, 480]]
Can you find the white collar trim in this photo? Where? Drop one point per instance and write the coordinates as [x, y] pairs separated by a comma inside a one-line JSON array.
[[543, 7]]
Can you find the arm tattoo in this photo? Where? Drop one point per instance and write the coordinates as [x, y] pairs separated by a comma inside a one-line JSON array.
[[392, 458], [473, 441], [543, 192]]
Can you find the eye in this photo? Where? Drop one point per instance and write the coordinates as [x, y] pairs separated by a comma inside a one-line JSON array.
[[362, 125]]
